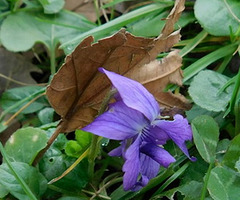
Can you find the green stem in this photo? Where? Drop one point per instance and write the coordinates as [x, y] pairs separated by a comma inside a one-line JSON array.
[[94, 149], [52, 61], [204, 190], [96, 6], [237, 118], [95, 146], [18, 178], [235, 92], [52, 49], [17, 5]]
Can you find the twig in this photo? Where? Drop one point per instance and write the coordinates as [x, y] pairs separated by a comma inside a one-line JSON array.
[[22, 108], [19, 82], [49, 143], [104, 12]]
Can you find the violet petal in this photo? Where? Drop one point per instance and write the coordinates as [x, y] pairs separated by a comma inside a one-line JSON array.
[[149, 167], [134, 95], [157, 135], [178, 130], [118, 123], [131, 166], [158, 154]]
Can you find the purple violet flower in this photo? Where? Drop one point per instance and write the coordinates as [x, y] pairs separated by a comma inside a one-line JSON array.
[[135, 119]]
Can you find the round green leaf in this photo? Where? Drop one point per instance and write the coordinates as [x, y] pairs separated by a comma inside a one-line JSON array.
[[204, 90], [205, 134], [224, 184], [35, 181], [25, 143], [216, 16]]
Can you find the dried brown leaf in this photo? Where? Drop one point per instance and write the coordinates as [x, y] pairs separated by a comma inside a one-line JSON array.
[[78, 88]]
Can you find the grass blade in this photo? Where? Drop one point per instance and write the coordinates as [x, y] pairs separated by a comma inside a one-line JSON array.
[[202, 63], [193, 43], [114, 24], [18, 178]]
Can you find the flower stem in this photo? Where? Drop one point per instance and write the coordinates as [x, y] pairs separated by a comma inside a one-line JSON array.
[[95, 144], [204, 190]]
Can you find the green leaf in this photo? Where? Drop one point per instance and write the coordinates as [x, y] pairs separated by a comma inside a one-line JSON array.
[[4, 5], [83, 138], [18, 178], [197, 110], [205, 134], [73, 198], [204, 90], [223, 184], [35, 181], [34, 27], [151, 25], [60, 142], [233, 153], [190, 191], [76, 148], [222, 147], [195, 171], [52, 6], [15, 95], [216, 16], [46, 115], [3, 191], [25, 143], [54, 163], [237, 166], [2, 127], [73, 149]]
